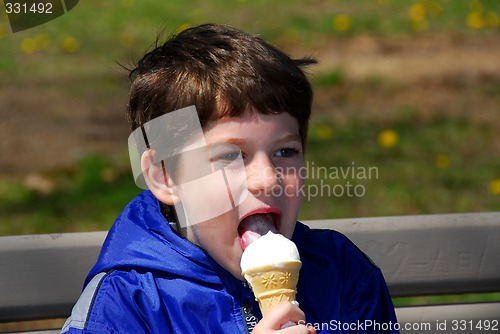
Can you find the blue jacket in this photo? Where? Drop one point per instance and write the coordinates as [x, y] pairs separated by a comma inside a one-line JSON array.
[[150, 280]]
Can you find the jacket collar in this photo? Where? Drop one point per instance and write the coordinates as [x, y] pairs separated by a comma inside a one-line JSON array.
[[141, 238]]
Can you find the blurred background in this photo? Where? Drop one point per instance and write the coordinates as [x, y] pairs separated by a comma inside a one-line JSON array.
[[406, 90]]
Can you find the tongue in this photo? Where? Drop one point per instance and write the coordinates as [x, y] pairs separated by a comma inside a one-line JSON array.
[[255, 226]]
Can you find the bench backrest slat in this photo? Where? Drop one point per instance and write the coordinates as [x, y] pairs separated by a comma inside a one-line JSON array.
[[429, 254], [42, 275]]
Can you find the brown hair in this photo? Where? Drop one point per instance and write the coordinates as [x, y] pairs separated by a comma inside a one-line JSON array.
[[222, 71]]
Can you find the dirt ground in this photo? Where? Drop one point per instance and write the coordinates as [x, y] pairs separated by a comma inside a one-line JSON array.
[[44, 126]]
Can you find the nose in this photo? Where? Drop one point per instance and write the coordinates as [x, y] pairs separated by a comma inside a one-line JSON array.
[[262, 175]]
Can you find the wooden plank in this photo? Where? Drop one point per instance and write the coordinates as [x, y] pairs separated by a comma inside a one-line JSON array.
[[42, 275], [430, 254]]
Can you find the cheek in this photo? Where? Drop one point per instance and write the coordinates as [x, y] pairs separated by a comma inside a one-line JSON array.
[[293, 196], [294, 184], [216, 234], [215, 194], [207, 198]]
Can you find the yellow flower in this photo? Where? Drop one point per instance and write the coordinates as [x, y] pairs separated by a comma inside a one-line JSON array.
[[418, 17], [342, 23], [31, 45], [28, 45], [442, 161], [325, 132], [494, 187], [388, 138], [475, 20], [70, 44], [417, 12]]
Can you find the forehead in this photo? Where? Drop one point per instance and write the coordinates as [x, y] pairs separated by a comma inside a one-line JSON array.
[[253, 126]]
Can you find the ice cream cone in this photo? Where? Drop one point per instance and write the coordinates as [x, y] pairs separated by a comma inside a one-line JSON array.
[[272, 284]]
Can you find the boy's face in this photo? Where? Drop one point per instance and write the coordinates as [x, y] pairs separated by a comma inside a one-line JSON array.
[[272, 153]]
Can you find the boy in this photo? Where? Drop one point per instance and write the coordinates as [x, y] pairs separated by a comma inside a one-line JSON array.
[[220, 121]]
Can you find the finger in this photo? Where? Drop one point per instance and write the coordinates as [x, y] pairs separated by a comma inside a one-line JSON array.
[[311, 329], [281, 314], [298, 329]]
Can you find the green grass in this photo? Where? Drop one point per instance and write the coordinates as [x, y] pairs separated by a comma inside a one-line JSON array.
[[119, 29]]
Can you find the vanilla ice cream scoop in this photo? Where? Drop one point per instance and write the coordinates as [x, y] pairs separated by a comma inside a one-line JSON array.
[[269, 250], [271, 266]]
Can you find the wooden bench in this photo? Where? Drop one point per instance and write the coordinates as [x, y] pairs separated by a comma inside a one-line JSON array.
[[41, 275]]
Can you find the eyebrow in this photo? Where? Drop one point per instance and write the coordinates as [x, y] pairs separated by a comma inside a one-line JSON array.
[[234, 141], [290, 137], [239, 141]]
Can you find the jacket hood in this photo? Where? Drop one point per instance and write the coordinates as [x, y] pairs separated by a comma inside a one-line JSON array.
[[142, 239]]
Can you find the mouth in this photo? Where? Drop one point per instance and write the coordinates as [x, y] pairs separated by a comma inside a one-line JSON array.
[[256, 223]]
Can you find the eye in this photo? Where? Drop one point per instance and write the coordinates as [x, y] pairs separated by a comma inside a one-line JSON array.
[[223, 155], [227, 157], [287, 152]]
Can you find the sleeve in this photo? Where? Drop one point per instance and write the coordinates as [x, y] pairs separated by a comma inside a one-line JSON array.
[[115, 303]]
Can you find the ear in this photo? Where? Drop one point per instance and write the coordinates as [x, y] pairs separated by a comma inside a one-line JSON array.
[[157, 179]]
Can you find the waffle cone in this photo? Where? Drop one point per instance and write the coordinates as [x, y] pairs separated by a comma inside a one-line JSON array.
[[273, 284]]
